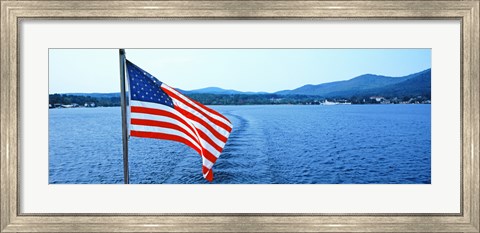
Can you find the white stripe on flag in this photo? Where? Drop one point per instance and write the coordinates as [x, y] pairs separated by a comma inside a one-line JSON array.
[[155, 129], [145, 116], [207, 163], [193, 123], [203, 143], [219, 129], [196, 105]]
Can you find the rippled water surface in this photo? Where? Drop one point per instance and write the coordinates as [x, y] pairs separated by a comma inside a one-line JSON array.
[[341, 144]]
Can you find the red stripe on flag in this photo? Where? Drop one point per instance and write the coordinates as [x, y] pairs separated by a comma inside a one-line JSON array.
[[202, 122], [213, 120], [208, 155], [209, 176], [204, 152], [209, 110], [170, 137], [164, 125], [209, 141], [160, 112]]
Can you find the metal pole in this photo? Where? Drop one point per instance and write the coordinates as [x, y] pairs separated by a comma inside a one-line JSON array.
[[123, 100]]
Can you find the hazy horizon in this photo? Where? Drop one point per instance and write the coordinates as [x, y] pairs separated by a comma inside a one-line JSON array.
[[231, 89], [246, 70]]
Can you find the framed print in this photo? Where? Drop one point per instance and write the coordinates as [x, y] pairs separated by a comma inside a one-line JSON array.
[[257, 116]]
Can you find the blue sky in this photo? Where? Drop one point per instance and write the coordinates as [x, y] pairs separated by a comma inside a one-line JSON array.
[[270, 70]]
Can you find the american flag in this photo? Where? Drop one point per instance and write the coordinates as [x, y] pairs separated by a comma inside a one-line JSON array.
[[161, 112]]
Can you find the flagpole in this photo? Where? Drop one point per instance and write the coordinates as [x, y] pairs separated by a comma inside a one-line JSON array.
[[123, 100]]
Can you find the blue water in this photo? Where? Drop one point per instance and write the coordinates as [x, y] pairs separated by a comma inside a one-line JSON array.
[[341, 144]]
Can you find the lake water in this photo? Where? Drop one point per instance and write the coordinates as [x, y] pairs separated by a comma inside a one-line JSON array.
[[281, 144]]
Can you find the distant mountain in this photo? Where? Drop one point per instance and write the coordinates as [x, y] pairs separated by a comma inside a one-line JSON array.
[[97, 95], [207, 90], [420, 84], [210, 90], [218, 91], [368, 84], [365, 85]]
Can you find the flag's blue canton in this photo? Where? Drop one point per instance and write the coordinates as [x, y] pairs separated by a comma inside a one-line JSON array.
[[145, 87]]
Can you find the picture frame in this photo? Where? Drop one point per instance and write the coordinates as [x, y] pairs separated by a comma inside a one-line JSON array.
[[12, 12]]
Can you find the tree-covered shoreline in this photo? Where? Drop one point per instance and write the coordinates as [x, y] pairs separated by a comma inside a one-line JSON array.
[[68, 99], [243, 99]]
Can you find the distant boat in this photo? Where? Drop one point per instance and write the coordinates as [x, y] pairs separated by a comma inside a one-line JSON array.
[[74, 105], [326, 102]]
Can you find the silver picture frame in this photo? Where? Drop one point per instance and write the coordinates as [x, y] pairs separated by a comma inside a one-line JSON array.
[[12, 12]]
